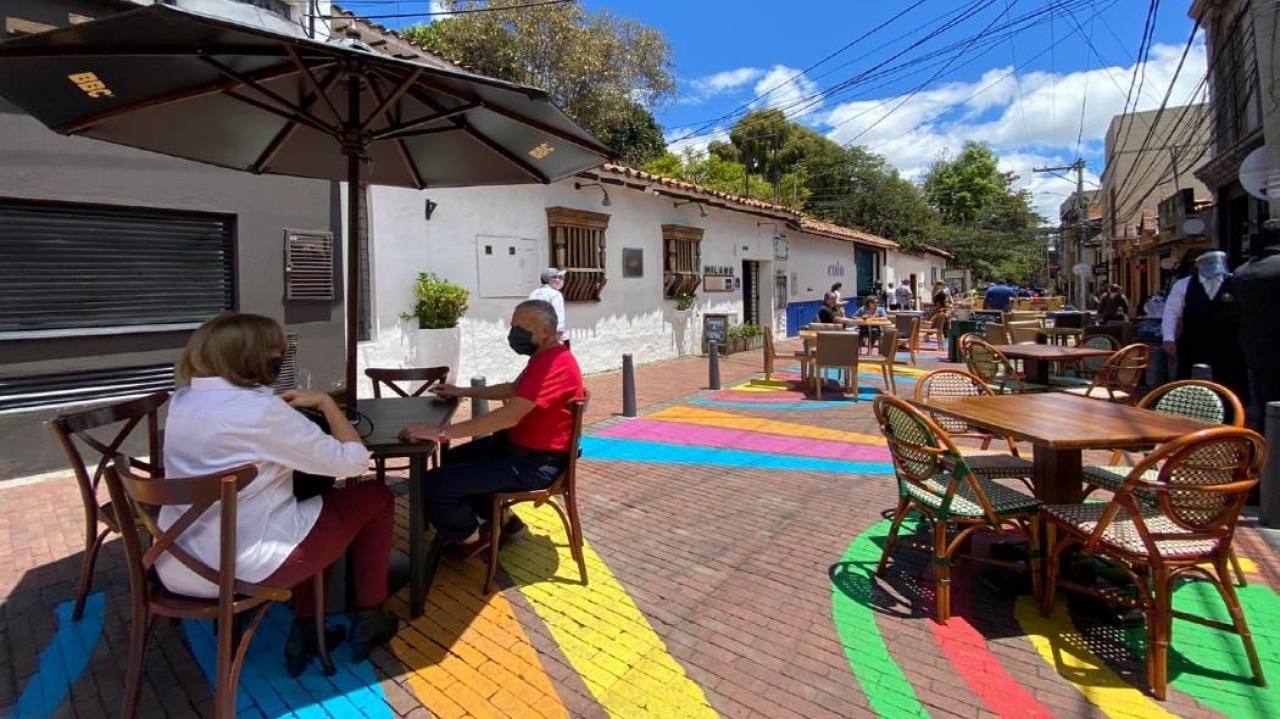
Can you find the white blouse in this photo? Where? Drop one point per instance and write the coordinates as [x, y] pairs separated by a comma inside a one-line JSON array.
[[213, 426]]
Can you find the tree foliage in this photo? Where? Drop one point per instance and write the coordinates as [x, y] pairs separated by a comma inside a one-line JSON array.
[[712, 172], [601, 69]]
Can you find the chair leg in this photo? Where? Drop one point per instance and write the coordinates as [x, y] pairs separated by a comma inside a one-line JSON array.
[[817, 381], [322, 647], [1159, 629], [93, 543], [139, 631], [575, 527], [225, 697], [1236, 611], [381, 469], [575, 538], [1037, 551], [1235, 566], [941, 573], [1049, 590], [495, 538], [224, 693], [898, 515]]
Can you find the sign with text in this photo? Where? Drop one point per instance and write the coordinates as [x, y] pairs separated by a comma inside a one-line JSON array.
[[715, 328]]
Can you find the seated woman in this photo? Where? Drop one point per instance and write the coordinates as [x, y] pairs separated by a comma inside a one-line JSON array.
[[228, 416], [870, 310]]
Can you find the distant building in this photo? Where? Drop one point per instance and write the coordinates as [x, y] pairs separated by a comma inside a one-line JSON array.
[[1080, 218]]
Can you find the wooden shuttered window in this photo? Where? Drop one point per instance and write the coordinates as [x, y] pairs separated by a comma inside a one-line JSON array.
[[308, 265], [681, 260], [578, 247], [76, 268]]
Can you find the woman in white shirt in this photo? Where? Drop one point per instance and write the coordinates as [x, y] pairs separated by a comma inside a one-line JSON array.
[[228, 416]]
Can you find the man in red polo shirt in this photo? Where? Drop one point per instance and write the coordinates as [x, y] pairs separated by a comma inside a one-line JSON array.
[[529, 436]]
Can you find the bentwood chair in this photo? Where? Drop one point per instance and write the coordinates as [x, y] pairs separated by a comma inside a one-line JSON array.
[[1198, 483], [1089, 367], [837, 350], [991, 463], [1120, 376], [994, 368], [935, 480], [908, 336], [150, 599], [886, 358], [392, 379], [565, 489], [86, 447]]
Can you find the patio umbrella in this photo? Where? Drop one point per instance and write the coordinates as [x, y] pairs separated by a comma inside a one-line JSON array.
[[247, 98]]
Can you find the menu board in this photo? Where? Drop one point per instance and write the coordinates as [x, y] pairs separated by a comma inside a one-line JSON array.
[[715, 328]]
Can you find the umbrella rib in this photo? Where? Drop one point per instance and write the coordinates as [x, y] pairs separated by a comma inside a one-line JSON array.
[[384, 103], [283, 136], [506, 154], [384, 107], [406, 129], [248, 82], [418, 133], [313, 82], [293, 116]]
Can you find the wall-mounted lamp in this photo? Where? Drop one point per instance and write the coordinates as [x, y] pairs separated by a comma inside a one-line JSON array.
[[430, 208], [701, 210], [606, 201]]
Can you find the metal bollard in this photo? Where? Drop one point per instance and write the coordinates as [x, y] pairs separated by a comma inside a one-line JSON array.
[[478, 406], [713, 365], [628, 387], [1202, 371], [1269, 511]]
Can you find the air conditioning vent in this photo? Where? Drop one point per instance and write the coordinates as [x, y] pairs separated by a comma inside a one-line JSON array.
[[308, 265], [717, 283]]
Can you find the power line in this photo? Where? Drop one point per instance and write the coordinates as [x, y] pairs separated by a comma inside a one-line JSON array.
[[460, 11]]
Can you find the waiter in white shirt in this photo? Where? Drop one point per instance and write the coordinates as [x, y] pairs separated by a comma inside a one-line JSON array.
[[1201, 324], [552, 281]]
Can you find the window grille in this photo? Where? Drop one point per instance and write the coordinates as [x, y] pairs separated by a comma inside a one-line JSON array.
[[681, 259], [578, 246]]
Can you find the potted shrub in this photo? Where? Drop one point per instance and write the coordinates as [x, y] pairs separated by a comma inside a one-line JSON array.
[[684, 305], [438, 305]]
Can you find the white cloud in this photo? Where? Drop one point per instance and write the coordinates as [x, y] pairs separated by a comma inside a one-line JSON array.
[[678, 143], [727, 80], [786, 88]]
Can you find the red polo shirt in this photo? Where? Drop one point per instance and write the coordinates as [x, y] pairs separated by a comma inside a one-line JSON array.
[[550, 381]]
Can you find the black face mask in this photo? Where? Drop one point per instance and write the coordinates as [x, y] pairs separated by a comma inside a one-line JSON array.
[[275, 367], [521, 341]]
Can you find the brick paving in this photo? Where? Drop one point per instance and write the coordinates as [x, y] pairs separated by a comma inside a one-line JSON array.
[[729, 576]]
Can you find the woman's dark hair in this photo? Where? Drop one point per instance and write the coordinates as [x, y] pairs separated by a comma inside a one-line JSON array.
[[836, 287], [236, 346]]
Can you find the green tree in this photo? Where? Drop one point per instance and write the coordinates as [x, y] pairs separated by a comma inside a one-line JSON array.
[[712, 172], [636, 137], [598, 67]]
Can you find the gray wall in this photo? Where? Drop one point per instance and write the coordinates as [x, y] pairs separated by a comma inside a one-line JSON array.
[[36, 163]]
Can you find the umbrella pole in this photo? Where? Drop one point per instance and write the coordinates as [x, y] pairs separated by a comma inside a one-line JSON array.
[[353, 274]]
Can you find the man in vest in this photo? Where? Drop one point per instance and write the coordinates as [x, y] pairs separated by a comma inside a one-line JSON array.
[[1258, 283], [1201, 324]]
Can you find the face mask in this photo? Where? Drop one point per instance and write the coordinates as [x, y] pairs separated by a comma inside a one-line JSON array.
[[275, 367], [521, 341]]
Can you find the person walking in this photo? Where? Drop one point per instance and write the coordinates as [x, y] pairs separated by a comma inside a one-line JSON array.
[[904, 296], [552, 282], [1258, 286], [1201, 324], [1113, 306]]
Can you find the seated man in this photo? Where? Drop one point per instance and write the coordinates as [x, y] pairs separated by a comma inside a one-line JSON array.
[[830, 311], [529, 436]]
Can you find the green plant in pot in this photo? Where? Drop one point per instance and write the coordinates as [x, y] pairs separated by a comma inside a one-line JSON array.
[[438, 304], [684, 301]]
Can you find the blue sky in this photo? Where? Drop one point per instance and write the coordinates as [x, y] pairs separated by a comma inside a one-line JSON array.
[[1031, 94]]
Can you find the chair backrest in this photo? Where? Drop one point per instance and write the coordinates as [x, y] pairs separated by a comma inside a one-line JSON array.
[[1203, 481], [77, 430], [837, 349], [1094, 365], [567, 482], [1076, 320], [820, 326], [951, 383], [997, 334], [428, 376], [903, 323], [1023, 330], [197, 495], [988, 363], [889, 340], [1124, 370], [1197, 399], [925, 458]]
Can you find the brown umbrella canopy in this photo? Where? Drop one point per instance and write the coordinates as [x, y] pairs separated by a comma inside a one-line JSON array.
[[201, 88]]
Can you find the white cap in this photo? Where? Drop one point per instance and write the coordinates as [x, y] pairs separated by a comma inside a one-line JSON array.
[[550, 274]]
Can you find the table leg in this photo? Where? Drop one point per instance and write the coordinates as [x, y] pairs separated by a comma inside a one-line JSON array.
[[417, 539], [1037, 370], [1056, 475]]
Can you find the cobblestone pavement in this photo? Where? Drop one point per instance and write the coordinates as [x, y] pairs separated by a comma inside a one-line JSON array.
[[731, 542]]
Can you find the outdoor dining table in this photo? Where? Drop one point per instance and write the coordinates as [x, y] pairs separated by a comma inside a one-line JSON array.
[[389, 416], [1037, 359], [1060, 427]]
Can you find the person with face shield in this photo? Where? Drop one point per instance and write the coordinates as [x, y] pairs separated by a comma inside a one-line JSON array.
[[521, 446], [1201, 324]]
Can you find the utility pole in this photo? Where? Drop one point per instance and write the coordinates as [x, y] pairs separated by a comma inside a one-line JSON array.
[[1078, 298]]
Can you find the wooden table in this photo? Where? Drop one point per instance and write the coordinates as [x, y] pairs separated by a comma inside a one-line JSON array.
[[1037, 359], [1061, 427], [389, 416]]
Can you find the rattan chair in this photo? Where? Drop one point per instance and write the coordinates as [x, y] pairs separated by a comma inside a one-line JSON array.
[[994, 368], [1089, 367], [935, 480], [150, 599], [1199, 483], [1120, 376], [998, 463], [391, 379], [837, 350], [78, 429]]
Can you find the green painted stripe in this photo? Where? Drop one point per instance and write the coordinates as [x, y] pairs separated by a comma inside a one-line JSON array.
[[886, 687]]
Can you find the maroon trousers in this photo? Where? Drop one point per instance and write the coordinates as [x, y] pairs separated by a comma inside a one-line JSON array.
[[360, 517]]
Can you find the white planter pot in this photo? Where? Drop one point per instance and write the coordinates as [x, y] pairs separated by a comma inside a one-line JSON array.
[[682, 316], [438, 348]]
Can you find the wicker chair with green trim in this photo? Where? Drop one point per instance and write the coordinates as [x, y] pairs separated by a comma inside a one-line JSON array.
[[997, 370], [1089, 367], [1119, 378], [1209, 402], [935, 480], [1199, 483], [1001, 462]]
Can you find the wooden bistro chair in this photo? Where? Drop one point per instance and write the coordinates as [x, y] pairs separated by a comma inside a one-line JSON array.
[[994, 368], [935, 328], [150, 599], [1199, 483], [565, 488], [887, 358], [935, 480], [90, 452], [908, 336], [985, 461], [1119, 377], [837, 350], [391, 379]]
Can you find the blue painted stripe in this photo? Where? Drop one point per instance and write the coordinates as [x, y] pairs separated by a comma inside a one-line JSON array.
[[634, 450], [63, 660], [267, 691]]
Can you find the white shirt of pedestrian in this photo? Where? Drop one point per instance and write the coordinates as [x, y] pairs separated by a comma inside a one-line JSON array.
[[547, 293], [1177, 302]]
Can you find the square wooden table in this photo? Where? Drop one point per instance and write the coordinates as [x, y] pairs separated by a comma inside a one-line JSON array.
[[1060, 427], [390, 415], [1037, 359]]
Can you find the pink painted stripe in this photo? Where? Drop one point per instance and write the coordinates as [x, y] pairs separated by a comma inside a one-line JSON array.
[[687, 434], [761, 397]]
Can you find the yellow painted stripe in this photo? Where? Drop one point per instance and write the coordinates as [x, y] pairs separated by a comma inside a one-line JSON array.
[[748, 387], [621, 659], [1062, 647], [726, 420]]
